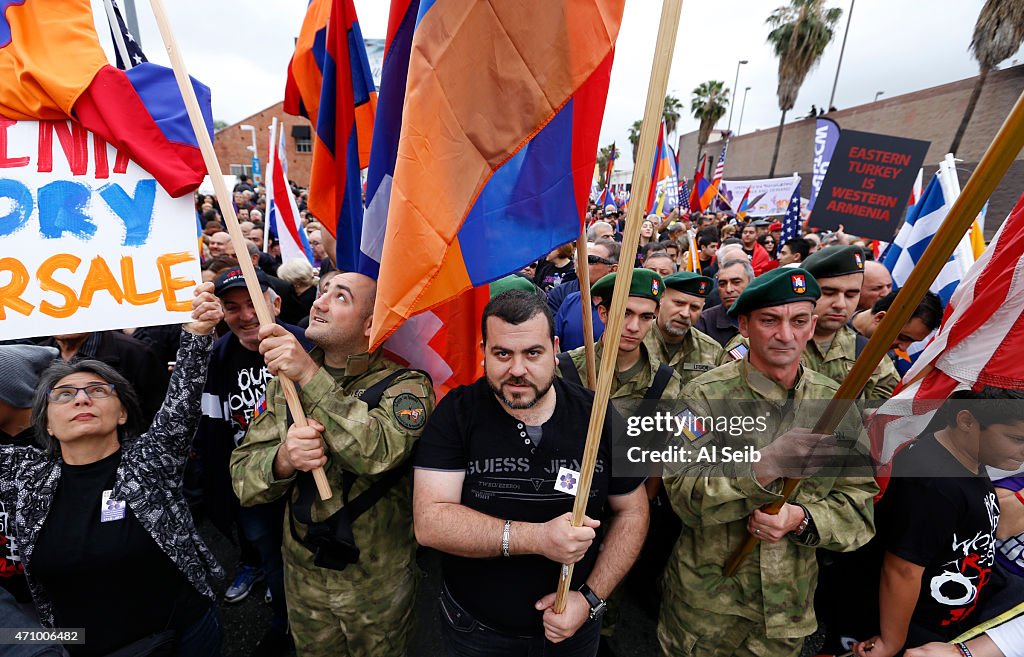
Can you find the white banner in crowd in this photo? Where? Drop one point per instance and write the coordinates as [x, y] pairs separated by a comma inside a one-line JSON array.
[[774, 194], [88, 240]]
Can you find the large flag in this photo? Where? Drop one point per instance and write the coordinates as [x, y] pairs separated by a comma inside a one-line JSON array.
[[980, 342], [305, 70], [282, 211], [792, 223], [343, 119], [443, 341], [914, 236], [52, 67], [503, 107]]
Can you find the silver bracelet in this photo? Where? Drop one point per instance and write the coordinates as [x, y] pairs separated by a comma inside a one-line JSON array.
[[506, 534]]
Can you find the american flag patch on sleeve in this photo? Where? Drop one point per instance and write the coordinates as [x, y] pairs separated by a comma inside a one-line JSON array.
[[739, 351]]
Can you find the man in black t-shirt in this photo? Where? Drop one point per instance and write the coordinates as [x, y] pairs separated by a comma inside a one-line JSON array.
[[20, 367], [497, 468], [937, 527]]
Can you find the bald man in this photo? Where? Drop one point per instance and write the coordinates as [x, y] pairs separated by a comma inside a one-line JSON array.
[[877, 284]]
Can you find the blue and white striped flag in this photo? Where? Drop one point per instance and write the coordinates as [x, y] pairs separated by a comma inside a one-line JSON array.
[[916, 233]]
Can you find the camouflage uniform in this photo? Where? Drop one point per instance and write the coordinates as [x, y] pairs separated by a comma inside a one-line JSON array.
[[735, 341], [626, 395], [838, 362], [766, 608], [367, 609], [697, 353]]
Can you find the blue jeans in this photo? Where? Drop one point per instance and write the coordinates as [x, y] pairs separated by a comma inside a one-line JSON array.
[[464, 636], [263, 526], [203, 638]]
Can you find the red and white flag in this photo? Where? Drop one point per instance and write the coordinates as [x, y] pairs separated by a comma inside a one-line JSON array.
[[980, 343], [282, 211]]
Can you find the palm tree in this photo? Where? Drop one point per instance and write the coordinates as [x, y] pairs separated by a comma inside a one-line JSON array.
[[671, 114], [800, 33], [709, 104], [634, 136], [602, 163], [997, 35]]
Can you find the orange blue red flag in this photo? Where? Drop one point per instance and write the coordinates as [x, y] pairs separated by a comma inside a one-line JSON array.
[[495, 160], [52, 67], [343, 119]]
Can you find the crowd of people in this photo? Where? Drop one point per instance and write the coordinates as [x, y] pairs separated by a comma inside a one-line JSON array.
[[111, 441]]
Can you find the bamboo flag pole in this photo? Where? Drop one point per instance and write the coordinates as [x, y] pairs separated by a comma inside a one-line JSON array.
[[990, 170], [663, 48], [195, 115], [586, 306]]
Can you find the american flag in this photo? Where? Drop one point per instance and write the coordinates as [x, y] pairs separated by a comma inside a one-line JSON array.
[[791, 223], [980, 342], [684, 195], [127, 51], [720, 167]]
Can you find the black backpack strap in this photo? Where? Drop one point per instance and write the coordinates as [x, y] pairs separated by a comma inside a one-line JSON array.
[[661, 379], [861, 342], [339, 525], [568, 368]]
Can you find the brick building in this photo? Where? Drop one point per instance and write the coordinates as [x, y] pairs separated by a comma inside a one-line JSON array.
[[232, 144], [931, 114]]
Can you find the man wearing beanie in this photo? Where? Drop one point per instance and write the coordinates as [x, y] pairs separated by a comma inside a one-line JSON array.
[[835, 346], [766, 607], [20, 367]]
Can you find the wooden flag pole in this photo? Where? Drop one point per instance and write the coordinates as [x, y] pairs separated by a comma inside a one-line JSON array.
[[195, 115], [990, 170], [583, 273], [663, 48]]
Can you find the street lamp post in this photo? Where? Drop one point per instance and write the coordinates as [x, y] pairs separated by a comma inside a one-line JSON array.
[[842, 49], [743, 106], [877, 94], [734, 87]]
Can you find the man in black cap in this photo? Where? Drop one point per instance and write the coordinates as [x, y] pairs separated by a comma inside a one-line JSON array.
[[20, 367], [835, 347], [233, 394], [765, 608], [673, 340]]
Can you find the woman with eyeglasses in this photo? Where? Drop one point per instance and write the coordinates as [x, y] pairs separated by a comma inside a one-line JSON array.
[[105, 534]]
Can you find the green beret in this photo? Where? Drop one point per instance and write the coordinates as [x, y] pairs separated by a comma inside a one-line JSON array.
[[645, 283], [835, 261], [512, 282], [690, 283], [776, 288]]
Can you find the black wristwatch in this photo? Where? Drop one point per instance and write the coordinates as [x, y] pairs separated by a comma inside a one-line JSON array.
[[597, 605]]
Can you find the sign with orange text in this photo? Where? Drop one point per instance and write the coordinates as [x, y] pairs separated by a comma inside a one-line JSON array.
[[88, 240]]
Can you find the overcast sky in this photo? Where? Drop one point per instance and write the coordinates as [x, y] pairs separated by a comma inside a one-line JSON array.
[[241, 51]]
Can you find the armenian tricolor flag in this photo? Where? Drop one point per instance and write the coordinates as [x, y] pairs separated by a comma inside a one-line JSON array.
[[503, 108], [52, 68], [663, 176], [343, 117]]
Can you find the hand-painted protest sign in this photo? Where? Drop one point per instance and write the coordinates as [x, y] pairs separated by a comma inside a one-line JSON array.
[[88, 240], [768, 197], [867, 184]]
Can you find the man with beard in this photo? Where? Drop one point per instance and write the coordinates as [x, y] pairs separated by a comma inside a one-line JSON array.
[[497, 469], [365, 414], [835, 347], [673, 340]]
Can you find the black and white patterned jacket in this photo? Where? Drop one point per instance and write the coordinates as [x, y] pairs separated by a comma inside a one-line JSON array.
[[149, 480]]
